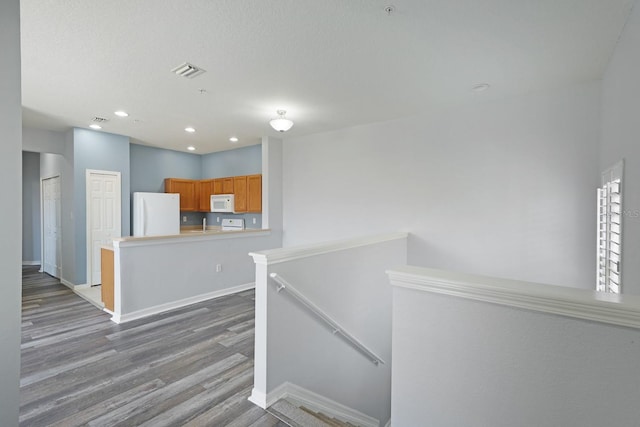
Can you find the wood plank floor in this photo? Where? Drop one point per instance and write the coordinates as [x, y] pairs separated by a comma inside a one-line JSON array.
[[188, 367]]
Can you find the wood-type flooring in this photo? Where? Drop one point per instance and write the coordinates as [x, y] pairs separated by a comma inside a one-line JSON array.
[[189, 367]]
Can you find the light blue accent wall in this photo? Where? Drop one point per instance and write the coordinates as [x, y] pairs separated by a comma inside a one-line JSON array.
[[30, 207], [150, 166], [241, 161], [98, 151]]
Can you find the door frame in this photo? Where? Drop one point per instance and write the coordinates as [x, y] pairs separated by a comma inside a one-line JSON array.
[[118, 208], [42, 230]]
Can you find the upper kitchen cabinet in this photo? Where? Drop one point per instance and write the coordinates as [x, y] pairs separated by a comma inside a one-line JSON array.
[[206, 188], [254, 193], [187, 188], [240, 192], [228, 186], [223, 185], [217, 186]]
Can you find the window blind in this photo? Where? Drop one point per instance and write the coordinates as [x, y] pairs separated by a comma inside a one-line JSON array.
[[609, 237]]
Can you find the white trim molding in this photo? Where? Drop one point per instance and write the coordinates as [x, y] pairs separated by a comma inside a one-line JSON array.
[[276, 256], [161, 308], [30, 262], [303, 397], [619, 310]]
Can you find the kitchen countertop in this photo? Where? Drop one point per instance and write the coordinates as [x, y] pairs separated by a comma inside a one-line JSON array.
[[192, 231]]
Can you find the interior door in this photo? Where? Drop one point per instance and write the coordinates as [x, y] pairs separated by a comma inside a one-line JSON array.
[[51, 230], [103, 218]]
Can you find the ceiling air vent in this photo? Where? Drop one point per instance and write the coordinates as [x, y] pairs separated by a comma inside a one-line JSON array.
[[97, 119], [187, 70]]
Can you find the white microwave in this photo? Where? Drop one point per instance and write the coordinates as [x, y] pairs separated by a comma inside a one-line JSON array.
[[222, 203]]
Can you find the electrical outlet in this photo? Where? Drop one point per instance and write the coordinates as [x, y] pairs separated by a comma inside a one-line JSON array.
[[218, 268], [217, 219], [254, 220], [184, 219]]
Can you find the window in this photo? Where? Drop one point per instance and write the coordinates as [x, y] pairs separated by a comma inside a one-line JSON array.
[[610, 230]]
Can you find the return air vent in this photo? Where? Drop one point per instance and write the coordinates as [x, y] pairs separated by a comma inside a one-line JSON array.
[[187, 70], [97, 119]]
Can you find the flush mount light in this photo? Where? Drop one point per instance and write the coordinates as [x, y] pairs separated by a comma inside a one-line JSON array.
[[191, 148], [281, 123], [189, 129], [233, 139], [96, 127], [121, 113], [481, 87]]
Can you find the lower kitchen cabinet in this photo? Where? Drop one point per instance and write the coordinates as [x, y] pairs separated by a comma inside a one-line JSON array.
[[107, 272]]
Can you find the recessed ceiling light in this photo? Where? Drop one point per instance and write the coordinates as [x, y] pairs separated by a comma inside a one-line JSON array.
[[481, 87], [121, 114], [233, 139], [189, 129], [96, 127], [191, 148]]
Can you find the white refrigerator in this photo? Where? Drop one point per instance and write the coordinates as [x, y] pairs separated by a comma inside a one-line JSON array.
[[156, 214]]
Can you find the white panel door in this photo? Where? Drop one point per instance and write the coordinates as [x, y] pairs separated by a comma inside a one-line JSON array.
[[52, 235], [103, 218]]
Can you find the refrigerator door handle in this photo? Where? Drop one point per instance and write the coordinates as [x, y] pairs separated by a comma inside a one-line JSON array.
[[144, 217]]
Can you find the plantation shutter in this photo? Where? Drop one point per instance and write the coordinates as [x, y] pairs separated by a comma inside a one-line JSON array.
[[609, 237]]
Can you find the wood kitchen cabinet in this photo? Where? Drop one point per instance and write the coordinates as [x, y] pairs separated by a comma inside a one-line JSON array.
[[240, 192], [228, 185], [106, 287], [223, 185], [188, 192], [205, 190], [217, 186], [254, 193]]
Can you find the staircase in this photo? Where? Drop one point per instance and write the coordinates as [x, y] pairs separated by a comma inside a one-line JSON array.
[[299, 416]]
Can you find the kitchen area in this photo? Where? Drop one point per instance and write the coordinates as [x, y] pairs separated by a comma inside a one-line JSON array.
[[188, 244], [206, 252]]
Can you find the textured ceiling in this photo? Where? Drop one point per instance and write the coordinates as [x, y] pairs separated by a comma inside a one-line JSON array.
[[330, 63]]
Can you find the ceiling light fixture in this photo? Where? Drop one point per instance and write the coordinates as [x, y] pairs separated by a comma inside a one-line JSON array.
[[281, 124], [233, 139], [189, 129], [191, 148], [121, 113], [481, 87], [96, 127]]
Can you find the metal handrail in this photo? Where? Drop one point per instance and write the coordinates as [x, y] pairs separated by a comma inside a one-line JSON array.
[[337, 329]]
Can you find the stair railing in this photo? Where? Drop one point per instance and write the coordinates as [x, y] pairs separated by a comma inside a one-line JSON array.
[[335, 326]]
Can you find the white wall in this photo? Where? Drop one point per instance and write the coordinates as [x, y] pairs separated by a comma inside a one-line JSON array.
[[160, 273], [461, 362], [621, 140], [347, 280], [504, 188], [10, 226], [42, 141]]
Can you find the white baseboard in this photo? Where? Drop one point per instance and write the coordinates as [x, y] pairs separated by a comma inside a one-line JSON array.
[[388, 424], [161, 308], [83, 286], [30, 262], [259, 398], [313, 401], [67, 283]]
